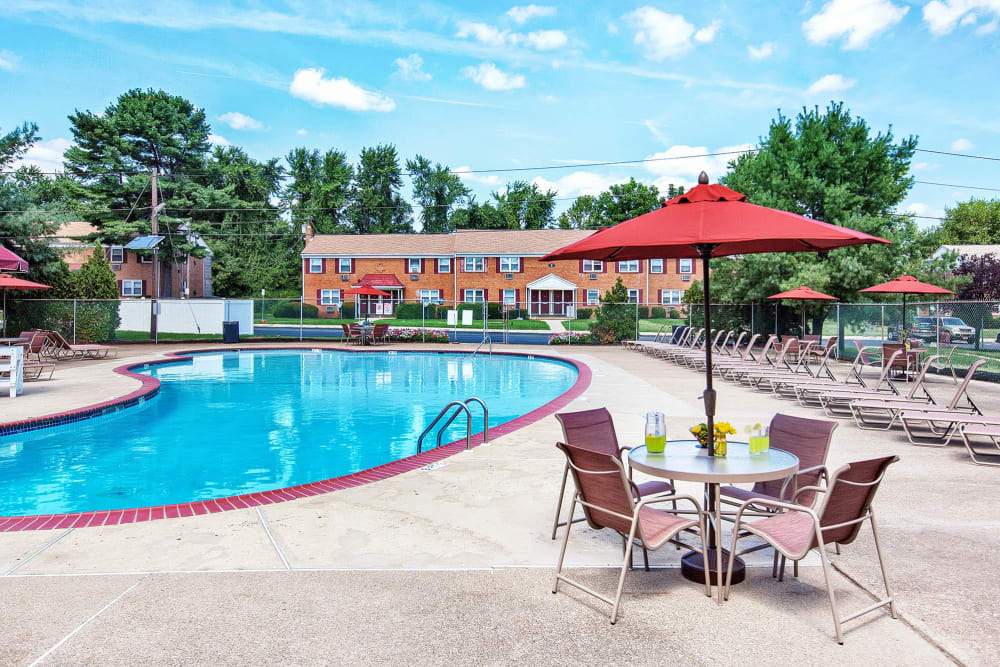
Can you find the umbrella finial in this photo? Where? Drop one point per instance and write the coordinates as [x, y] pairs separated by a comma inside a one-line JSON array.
[[703, 178]]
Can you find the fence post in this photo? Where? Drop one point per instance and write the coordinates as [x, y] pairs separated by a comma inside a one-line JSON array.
[[882, 326], [74, 321], [752, 321], [423, 321], [840, 334], [301, 306], [937, 326], [637, 319]]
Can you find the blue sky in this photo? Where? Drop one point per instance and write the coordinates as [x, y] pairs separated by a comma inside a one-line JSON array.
[[486, 85]]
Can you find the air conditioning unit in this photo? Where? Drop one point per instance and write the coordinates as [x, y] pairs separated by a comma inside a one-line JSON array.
[[686, 278], [345, 277], [593, 276], [116, 267], [508, 276], [331, 309], [414, 276]]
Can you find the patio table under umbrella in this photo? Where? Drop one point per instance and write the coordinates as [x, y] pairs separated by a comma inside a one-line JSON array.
[[705, 222], [9, 261], [803, 294], [905, 285], [9, 282]]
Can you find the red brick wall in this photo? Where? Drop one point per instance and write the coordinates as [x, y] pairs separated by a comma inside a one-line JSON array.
[[133, 269]]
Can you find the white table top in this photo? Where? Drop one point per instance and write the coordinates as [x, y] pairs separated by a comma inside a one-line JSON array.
[[683, 460]]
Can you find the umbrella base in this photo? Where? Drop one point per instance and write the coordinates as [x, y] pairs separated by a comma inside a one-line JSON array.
[[693, 567]]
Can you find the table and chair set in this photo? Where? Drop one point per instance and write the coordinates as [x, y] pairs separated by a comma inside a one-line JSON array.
[[796, 505], [360, 333]]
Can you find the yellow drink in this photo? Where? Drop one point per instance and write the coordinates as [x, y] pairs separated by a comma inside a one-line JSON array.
[[756, 444], [655, 444]]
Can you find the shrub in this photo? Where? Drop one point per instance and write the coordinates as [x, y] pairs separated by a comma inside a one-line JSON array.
[[569, 338], [675, 314], [291, 309], [643, 312], [347, 310], [476, 308], [409, 311], [411, 335], [658, 312], [494, 310], [584, 313], [616, 317]]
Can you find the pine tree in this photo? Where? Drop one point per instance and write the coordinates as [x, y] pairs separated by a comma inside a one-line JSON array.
[[95, 279]]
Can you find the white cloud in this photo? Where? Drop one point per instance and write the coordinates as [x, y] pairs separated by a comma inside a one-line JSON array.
[[765, 50], [9, 60], [612, 28], [548, 99], [479, 179], [923, 210], [942, 16], [858, 21], [662, 35], [482, 32], [962, 144], [411, 68], [578, 183], [521, 14], [46, 155], [988, 28], [926, 166], [685, 171], [218, 140], [309, 84], [302, 132], [238, 121], [490, 77], [546, 40], [831, 83]]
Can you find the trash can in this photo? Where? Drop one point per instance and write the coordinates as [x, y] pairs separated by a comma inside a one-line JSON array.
[[230, 332]]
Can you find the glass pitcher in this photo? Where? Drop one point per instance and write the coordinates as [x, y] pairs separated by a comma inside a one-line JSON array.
[[656, 432]]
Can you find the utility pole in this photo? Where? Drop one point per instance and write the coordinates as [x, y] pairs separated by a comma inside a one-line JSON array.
[[155, 212]]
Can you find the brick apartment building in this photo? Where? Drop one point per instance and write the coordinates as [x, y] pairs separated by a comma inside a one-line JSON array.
[[474, 266], [133, 270]]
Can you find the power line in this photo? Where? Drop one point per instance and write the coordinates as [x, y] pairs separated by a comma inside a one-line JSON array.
[[952, 154], [955, 185]]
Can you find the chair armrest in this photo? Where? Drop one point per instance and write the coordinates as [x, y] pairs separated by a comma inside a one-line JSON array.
[[784, 487], [776, 504], [665, 497], [817, 489]]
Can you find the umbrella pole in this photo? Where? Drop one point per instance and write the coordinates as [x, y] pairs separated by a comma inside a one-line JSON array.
[[709, 395]]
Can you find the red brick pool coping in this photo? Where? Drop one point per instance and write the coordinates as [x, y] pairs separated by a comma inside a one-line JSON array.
[[150, 386]]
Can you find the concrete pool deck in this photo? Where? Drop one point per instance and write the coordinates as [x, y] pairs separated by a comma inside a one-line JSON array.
[[455, 563]]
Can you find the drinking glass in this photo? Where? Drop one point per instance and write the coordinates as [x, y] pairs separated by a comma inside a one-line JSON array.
[[656, 432]]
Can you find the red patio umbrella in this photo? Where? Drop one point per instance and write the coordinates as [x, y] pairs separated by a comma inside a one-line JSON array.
[[7, 282], [365, 290], [802, 294], [905, 285], [11, 262]]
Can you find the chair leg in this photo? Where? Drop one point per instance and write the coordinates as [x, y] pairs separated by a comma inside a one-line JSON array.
[[829, 592], [645, 557], [562, 550], [795, 569], [881, 564], [836, 548], [626, 562], [781, 569], [562, 493], [774, 565]]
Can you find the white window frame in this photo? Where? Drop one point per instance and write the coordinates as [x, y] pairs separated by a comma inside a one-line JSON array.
[[409, 265], [315, 265], [633, 296], [593, 266], [512, 301], [340, 265], [473, 262], [477, 295], [626, 266], [513, 265], [131, 288], [121, 254], [429, 296], [444, 264], [671, 297], [656, 266], [689, 264], [593, 297], [145, 259], [329, 297]]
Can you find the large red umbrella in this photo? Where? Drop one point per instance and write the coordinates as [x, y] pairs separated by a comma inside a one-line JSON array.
[[905, 285], [365, 290], [10, 261], [7, 282], [802, 294]]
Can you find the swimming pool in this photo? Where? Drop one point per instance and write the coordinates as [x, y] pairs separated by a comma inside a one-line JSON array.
[[237, 422]]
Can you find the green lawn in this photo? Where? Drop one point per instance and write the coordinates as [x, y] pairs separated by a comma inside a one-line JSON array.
[[518, 325], [652, 325], [122, 336]]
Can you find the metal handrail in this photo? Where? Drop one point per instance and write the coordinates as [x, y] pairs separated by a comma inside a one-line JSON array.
[[484, 341], [462, 405], [486, 416]]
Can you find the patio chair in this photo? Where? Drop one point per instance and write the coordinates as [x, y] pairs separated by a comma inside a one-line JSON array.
[[355, 334], [992, 433], [59, 348], [595, 429], [846, 504], [818, 351], [608, 499], [380, 333], [900, 363], [789, 346], [809, 440], [863, 354]]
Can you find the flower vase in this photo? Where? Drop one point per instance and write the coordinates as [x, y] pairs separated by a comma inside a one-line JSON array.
[[720, 445]]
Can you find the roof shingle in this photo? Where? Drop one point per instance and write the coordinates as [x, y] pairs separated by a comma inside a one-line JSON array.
[[463, 242]]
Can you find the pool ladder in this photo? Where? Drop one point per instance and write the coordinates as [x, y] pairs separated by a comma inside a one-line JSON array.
[[463, 406]]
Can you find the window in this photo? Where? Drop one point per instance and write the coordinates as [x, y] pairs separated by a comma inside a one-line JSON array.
[[315, 265], [344, 265], [631, 266], [686, 265], [117, 255], [131, 288], [475, 265], [330, 297], [430, 296], [593, 266], [444, 265], [413, 265], [633, 296], [656, 266], [510, 264], [145, 259], [510, 297], [670, 297], [474, 295], [593, 296]]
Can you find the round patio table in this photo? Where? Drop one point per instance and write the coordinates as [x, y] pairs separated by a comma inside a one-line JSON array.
[[684, 460]]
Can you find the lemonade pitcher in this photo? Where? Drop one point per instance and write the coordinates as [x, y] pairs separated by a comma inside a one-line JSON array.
[[656, 432]]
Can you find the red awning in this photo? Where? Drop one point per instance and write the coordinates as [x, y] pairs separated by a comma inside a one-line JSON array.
[[10, 282], [380, 280], [906, 285], [10, 261], [803, 294]]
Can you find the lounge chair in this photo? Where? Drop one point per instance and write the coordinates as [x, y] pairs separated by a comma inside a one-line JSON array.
[[766, 379], [846, 504], [982, 430], [837, 402], [608, 499], [790, 346], [783, 385], [595, 429], [946, 363], [807, 392], [734, 369], [900, 363], [58, 347], [34, 370], [935, 428], [817, 352], [882, 413]]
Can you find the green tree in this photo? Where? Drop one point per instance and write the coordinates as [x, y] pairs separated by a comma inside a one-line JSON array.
[[376, 204], [694, 294], [620, 202], [524, 206], [976, 221], [437, 190], [95, 279], [478, 216], [319, 189], [585, 213], [615, 317]]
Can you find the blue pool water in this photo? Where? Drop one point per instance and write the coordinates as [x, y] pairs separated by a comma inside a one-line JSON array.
[[227, 423]]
